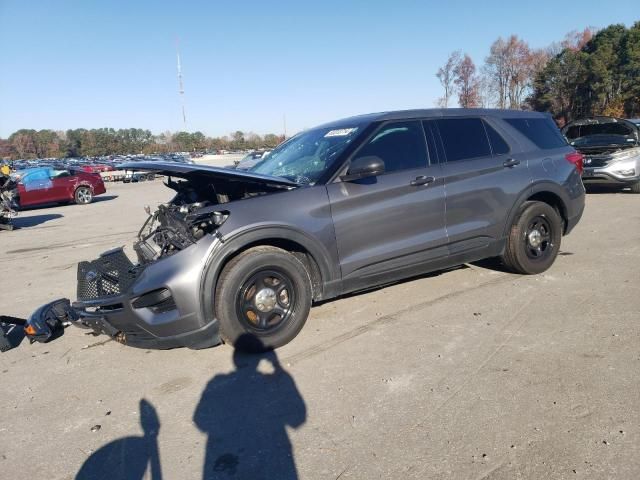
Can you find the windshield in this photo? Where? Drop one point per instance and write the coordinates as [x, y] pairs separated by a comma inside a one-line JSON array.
[[305, 157]]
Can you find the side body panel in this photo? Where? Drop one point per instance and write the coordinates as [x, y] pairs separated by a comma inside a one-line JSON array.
[[480, 192], [384, 224]]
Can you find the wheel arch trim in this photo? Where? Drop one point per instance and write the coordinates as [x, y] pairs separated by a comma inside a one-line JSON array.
[[537, 192]]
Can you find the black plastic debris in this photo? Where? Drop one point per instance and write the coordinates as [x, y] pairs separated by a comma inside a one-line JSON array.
[[11, 332]]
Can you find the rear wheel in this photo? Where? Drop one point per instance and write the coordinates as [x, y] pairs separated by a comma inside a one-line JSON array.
[[83, 195], [263, 299], [534, 240]]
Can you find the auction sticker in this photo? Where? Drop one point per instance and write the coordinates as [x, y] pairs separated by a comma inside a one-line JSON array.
[[341, 132]]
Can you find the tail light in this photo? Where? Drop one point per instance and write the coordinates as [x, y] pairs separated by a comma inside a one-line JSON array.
[[577, 159]]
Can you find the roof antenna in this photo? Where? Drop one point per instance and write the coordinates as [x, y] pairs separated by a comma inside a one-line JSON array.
[[180, 86]]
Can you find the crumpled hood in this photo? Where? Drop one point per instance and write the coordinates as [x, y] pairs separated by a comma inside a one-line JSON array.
[[187, 171]]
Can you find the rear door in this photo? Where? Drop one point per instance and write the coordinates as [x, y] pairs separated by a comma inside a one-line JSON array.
[[390, 225], [63, 183], [483, 176]]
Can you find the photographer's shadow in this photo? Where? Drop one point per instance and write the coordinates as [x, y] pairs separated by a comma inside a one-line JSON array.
[[128, 458], [245, 413]]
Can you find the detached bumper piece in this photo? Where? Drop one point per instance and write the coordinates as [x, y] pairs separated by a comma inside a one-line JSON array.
[[48, 321]]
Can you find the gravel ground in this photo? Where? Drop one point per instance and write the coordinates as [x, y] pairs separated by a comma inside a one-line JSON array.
[[470, 373]]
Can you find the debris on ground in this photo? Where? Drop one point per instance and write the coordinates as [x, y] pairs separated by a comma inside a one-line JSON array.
[[11, 332]]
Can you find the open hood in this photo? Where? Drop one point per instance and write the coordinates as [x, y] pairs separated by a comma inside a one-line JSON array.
[[606, 126], [203, 172]]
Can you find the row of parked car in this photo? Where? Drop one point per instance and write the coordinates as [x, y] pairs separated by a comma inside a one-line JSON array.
[[97, 164]]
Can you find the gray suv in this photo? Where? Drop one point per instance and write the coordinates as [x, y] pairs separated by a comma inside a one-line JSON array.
[[340, 208]]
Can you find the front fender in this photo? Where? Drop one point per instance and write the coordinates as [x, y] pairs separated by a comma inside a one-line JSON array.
[[239, 240]]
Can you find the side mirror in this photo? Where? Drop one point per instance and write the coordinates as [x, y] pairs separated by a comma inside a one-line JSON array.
[[363, 167]]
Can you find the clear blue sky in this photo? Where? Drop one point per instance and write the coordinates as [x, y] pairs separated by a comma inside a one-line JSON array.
[[70, 64]]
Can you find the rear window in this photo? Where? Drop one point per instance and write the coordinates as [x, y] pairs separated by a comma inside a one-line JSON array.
[[463, 138], [541, 131]]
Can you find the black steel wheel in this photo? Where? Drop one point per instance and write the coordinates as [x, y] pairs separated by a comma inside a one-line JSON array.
[[264, 293], [534, 240], [266, 301], [537, 237]]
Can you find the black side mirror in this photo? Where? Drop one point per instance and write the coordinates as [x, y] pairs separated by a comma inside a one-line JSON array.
[[363, 167]]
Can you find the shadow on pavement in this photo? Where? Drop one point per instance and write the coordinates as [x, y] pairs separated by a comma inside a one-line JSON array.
[[34, 220], [245, 414], [104, 198], [604, 189], [127, 458]]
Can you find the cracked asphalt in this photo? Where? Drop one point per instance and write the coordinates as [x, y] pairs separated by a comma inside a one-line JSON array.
[[468, 373]]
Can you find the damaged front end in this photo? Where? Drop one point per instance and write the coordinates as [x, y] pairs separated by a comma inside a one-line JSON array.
[[8, 202], [155, 302]]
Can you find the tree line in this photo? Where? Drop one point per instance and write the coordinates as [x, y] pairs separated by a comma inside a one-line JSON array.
[[81, 142], [588, 73]]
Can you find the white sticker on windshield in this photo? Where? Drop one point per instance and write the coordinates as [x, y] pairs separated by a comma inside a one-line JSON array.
[[341, 132]]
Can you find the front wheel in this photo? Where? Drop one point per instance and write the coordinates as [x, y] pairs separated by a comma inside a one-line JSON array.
[[534, 240], [262, 299], [635, 187], [83, 195]]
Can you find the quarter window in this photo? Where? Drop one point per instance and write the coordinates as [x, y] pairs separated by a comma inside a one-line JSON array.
[[400, 145], [541, 131], [463, 138]]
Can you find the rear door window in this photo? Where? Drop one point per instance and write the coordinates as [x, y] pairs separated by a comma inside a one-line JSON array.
[[463, 138], [541, 131]]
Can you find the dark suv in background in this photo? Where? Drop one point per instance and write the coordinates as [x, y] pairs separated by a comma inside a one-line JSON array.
[[343, 207]]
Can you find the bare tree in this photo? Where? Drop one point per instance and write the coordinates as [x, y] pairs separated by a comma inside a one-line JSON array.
[[575, 40], [446, 76], [466, 82], [485, 91], [511, 67]]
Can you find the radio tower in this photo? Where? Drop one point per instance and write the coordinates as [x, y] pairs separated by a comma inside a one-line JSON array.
[[180, 86]]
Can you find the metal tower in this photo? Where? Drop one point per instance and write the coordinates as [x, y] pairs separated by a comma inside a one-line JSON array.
[[180, 86]]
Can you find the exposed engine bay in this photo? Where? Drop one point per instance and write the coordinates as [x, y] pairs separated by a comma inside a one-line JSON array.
[[196, 210], [8, 202]]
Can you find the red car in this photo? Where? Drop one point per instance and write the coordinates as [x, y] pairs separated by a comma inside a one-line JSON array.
[[47, 185], [96, 168]]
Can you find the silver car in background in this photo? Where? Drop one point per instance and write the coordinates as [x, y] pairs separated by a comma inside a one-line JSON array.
[[611, 147]]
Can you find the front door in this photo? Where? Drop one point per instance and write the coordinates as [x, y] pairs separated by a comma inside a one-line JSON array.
[[35, 188], [391, 225]]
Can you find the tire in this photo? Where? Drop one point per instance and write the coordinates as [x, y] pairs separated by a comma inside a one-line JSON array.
[[262, 299], [635, 187], [528, 252], [83, 196]]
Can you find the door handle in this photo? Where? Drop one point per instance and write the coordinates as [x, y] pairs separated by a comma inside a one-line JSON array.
[[422, 180], [512, 162]]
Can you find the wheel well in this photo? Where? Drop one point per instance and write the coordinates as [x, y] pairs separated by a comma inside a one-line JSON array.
[[555, 201], [296, 250]]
